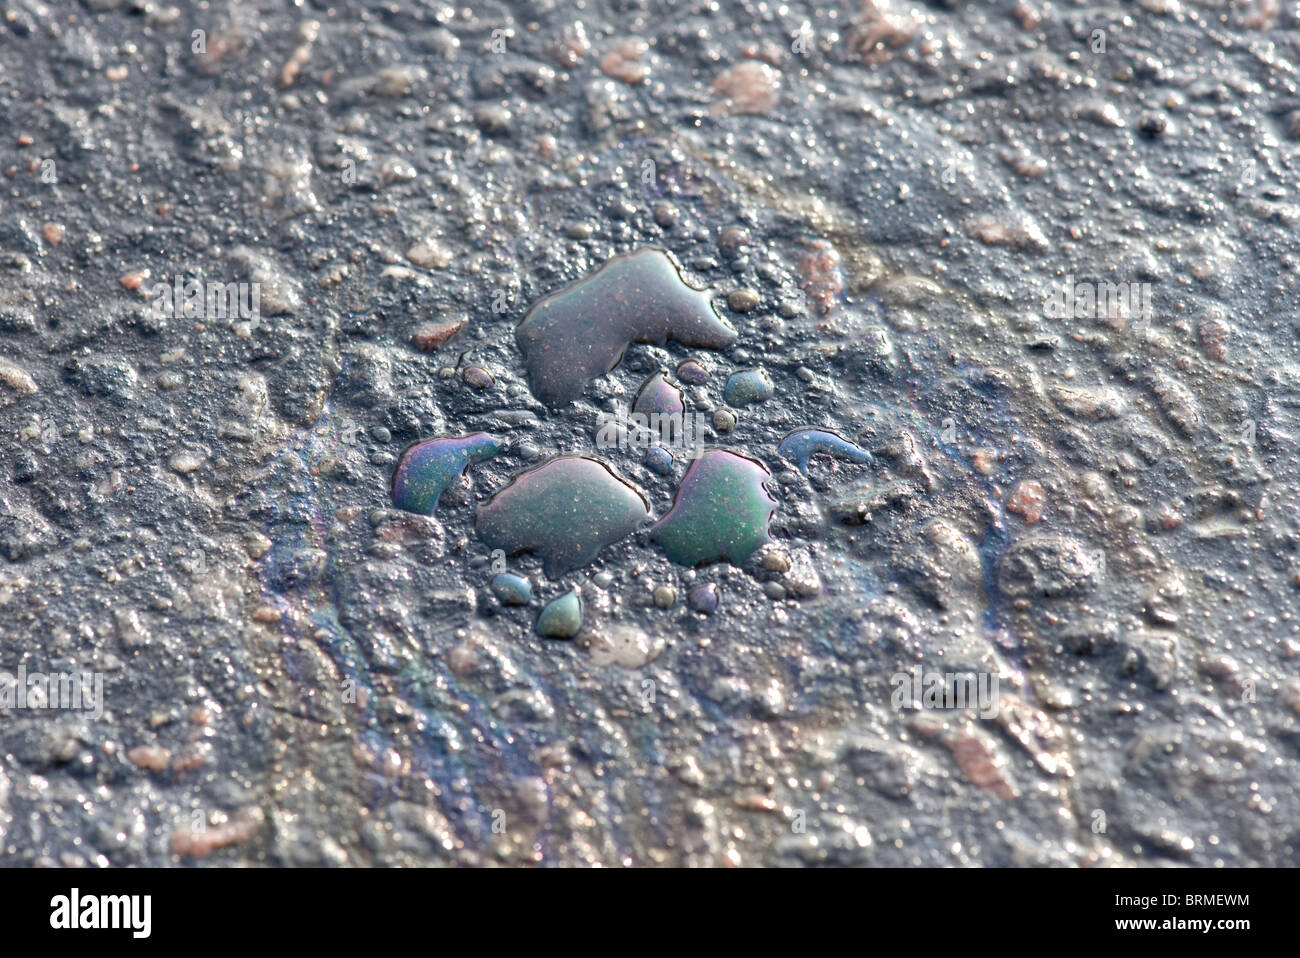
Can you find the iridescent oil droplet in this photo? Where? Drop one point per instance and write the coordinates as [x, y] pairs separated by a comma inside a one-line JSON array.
[[478, 377], [721, 512], [657, 395], [803, 444], [703, 599], [511, 589], [662, 405], [692, 373], [580, 332], [747, 386], [427, 468], [659, 460], [565, 511], [562, 617]]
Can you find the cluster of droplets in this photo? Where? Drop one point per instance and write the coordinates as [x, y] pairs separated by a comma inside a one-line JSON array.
[[568, 509]]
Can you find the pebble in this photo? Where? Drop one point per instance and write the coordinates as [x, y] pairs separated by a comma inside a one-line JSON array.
[[17, 378], [430, 254], [733, 240], [776, 561], [493, 118], [625, 646], [623, 61], [185, 462], [135, 280], [665, 596], [478, 377], [821, 275], [1028, 500], [571, 46], [748, 87], [432, 336], [724, 420], [742, 300], [659, 460], [150, 757]]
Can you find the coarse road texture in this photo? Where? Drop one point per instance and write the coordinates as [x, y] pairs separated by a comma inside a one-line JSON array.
[[1097, 503]]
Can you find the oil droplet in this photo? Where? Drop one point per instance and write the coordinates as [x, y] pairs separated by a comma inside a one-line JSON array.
[[580, 332], [565, 511], [802, 444], [660, 460], [721, 511], [511, 589], [747, 386], [427, 468], [478, 377], [657, 395], [692, 373], [703, 599], [562, 617]]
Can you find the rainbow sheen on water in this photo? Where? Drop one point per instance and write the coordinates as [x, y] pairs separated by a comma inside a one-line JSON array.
[[580, 332], [721, 512], [659, 398], [427, 468], [564, 511]]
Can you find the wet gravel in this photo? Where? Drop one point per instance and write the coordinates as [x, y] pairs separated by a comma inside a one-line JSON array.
[[885, 201]]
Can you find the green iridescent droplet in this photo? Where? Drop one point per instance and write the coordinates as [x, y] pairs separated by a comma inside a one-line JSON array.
[[562, 617], [565, 511], [721, 512], [746, 387]]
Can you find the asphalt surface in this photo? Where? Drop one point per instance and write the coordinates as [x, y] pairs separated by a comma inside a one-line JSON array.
[[885, 201]]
